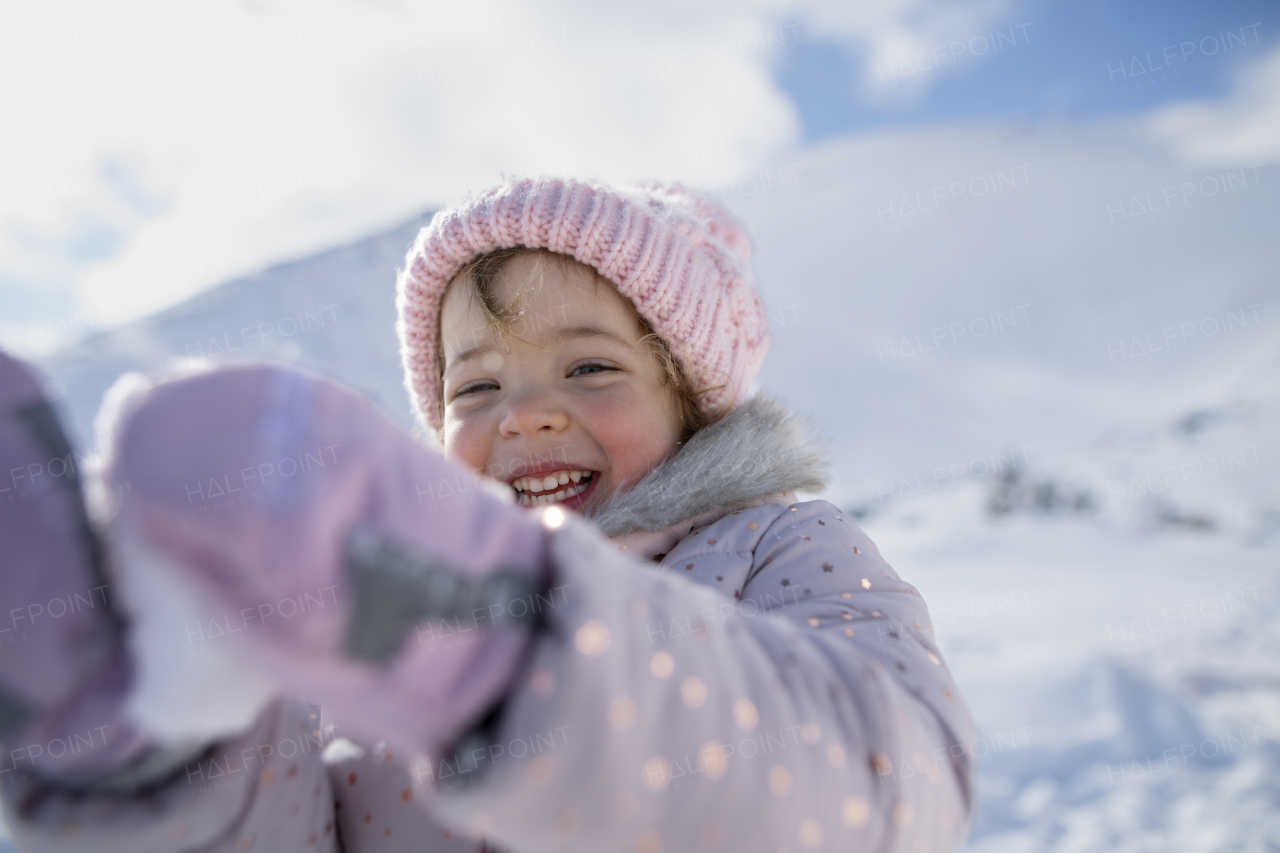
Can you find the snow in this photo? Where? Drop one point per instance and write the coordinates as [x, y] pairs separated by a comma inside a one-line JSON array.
[[1085, 492], [1124, 680]]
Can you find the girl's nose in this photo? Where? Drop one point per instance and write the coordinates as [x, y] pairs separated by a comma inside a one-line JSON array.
[[530, 414]]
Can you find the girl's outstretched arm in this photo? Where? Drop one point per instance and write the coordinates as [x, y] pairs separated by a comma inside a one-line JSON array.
[[806, 707]]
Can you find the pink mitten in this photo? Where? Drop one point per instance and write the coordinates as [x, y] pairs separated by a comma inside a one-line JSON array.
[[63, 667], [368, 572]]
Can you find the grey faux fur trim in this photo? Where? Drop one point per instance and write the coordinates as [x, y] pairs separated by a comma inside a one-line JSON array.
[[757, 450]]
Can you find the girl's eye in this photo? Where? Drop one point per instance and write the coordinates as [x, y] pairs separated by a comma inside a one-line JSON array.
[[590, 367], [478, 386]]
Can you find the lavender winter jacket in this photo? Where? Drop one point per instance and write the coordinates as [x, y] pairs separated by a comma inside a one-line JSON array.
[[733, 670]]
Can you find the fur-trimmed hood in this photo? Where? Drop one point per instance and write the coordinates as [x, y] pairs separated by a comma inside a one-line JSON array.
[[758, 450]]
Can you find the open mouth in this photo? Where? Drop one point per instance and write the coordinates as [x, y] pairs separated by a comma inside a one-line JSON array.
[[552, 487]]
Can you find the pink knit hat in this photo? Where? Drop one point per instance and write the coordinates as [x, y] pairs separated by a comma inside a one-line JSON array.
[[681, 259]]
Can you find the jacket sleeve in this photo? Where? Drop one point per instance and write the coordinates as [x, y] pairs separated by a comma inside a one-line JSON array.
[[265, 789], [804, 705]]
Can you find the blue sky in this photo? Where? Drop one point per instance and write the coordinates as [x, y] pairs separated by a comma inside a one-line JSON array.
[[1044, 62]]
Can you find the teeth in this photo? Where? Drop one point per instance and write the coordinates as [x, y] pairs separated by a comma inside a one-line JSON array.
[[542, 484], [526, 499]]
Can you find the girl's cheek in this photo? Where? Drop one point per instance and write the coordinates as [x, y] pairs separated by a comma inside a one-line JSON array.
[[622, 412], [465, 443], [634, 436]]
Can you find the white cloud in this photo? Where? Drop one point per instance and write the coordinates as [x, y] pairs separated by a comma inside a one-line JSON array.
[[906, 42], [1241, 130]]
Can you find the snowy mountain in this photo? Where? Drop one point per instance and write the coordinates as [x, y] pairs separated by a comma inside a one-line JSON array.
[[333, 313], [1049, 365]]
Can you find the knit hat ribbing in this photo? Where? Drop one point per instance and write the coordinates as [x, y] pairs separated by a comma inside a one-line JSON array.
[[680, 258]]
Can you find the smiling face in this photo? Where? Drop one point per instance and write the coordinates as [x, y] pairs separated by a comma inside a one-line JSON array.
[[569, 404]]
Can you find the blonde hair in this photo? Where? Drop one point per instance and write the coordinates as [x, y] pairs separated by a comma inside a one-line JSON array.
[[482, 274]]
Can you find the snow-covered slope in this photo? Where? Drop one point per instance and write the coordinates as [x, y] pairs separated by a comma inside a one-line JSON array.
[[1017, 310], [333, 313]]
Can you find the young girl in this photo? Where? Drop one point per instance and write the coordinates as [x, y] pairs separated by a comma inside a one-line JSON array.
[[600, 621]]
